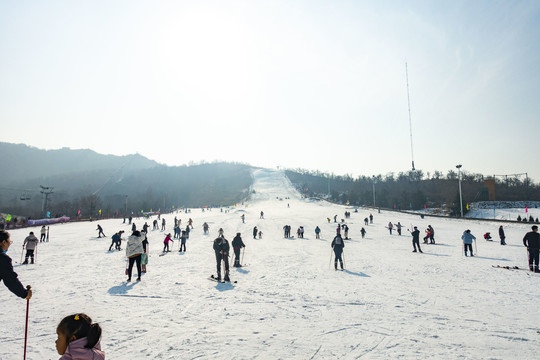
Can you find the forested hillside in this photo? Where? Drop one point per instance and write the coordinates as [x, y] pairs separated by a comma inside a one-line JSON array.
[[410, 190]]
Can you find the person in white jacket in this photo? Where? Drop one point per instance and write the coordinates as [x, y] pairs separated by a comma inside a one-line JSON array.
[[134, 250]]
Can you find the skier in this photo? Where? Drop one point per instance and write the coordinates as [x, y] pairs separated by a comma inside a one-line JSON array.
[[286, 231], [221, 232], [221, 250], [237, 244], [205, 228], [335, 218], [262, 215], [532, 242], [133, 227], [114, 241], [487, 236], [501, 235], [43, 234], [328, 219], [416, 239], [190, 222], [346, 232], [145, 228], [100, 231], [317, 233], [155, 225], [398, 227], [6, 269], [390, 226], [243, 218], [431, 234], [166, 242], [188, 230], [366, 221], [467, 238], [363, 232], [338, 230], [338, 245], [134, 250], [163, 224], [255, 231], [31, 244], [371, 218], [183, 241], [79, 338]]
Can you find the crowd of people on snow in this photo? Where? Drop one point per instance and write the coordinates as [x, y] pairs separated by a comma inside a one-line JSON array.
[[79, 337]]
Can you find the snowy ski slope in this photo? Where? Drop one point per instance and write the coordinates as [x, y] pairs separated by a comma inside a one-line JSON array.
[[390, 303]]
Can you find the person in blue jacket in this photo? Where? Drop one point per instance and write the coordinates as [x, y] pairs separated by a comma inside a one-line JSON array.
[[7, 274], [467, 238]]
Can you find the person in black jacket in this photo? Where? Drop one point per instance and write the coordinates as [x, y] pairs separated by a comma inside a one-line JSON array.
[[416, 239], [237, 244], [338, 245], [501, 235], [6, 269], [532, 242], [221, 249]]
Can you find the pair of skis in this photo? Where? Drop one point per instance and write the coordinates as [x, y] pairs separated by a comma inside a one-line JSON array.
[[213, 278]]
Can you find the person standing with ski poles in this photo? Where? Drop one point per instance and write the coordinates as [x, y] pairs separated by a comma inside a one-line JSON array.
[[7, 274], [532, 242], [338, 245], [416, 239], [237, 244], [221, 250]]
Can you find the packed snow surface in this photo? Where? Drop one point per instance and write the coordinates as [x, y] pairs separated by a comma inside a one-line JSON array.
[[288, 303]]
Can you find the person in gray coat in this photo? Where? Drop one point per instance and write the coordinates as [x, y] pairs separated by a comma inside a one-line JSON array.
[[468, 238], [30, 243]]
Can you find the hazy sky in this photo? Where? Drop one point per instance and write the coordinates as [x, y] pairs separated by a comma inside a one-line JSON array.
[[310, 84]]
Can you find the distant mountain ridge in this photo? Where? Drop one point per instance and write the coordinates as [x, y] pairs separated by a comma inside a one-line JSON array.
[[21, 162], [97, 184]]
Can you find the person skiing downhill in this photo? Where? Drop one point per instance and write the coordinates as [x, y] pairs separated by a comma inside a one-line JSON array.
[[468, 238], [317, 232], [221, 250], [100, 231], [363, 232], [532, 241], [398, 227], [237, 244], [338, 245], [30, 243]]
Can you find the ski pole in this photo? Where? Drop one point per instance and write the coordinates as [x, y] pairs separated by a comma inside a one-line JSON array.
[[26, 326], [475, 249], [22, 252], [343, 253], [330, 263], [243, 253]]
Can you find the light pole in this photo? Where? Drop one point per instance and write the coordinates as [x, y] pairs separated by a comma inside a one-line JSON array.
[[374, 191], [460, 196]]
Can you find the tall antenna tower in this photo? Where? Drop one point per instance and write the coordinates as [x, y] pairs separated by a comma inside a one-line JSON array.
[[410, 122]]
